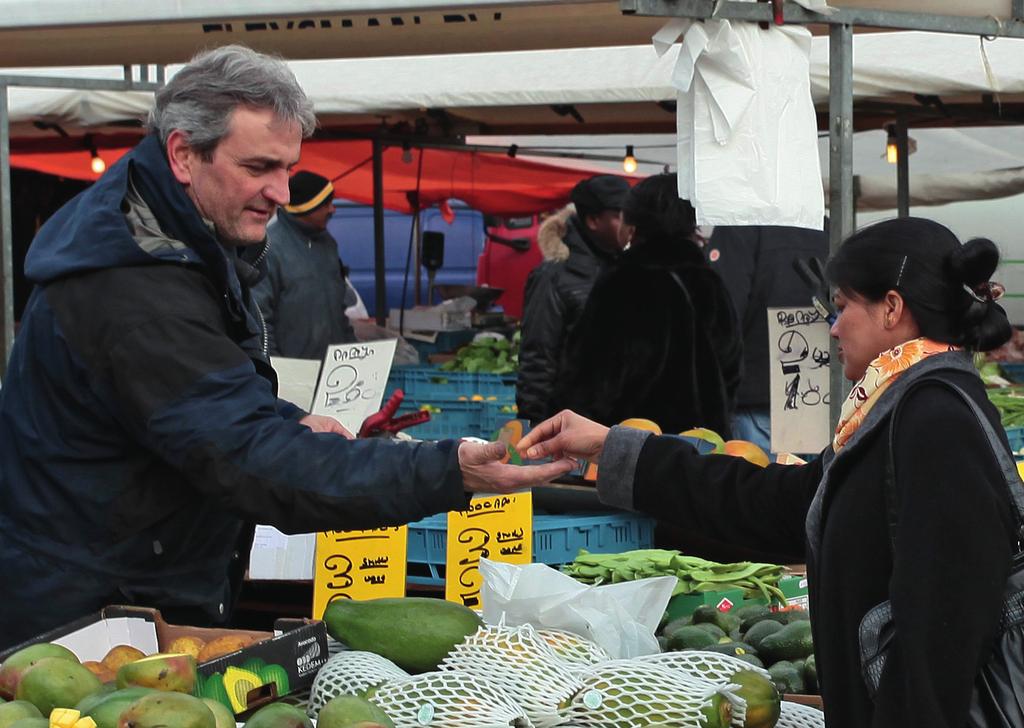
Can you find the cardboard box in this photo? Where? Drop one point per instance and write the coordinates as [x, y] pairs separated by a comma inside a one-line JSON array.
[[275, 664], [727, 600]]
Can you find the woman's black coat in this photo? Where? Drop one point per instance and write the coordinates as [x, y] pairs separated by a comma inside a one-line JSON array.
[[946, 582], [645, 347]]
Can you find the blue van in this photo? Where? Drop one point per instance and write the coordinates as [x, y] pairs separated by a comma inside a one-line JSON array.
[[352, 227]]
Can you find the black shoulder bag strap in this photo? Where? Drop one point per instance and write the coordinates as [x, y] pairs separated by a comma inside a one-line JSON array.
[[1006, 462]]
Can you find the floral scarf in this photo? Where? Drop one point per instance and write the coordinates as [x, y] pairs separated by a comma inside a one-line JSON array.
[[883, 371]]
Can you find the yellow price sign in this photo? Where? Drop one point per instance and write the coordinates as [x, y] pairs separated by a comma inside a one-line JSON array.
[[359, 565], [496, 527]]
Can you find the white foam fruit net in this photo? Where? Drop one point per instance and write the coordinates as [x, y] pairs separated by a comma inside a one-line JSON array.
[[713, 666], [629, 693], [448, 699], [795, 715], [520, 662], [350, 672], [572, 649]]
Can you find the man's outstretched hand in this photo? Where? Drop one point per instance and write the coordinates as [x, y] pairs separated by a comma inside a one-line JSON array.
[[483, 471]]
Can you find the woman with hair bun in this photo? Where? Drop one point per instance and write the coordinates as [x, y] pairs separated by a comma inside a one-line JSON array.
[[913, 304]]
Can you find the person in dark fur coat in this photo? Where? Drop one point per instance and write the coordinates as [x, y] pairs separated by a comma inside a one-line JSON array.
[[658, 337]]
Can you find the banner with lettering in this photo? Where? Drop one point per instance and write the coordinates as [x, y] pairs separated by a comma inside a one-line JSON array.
[[352, 381], [359, 565], [799, 345], [496, 527]]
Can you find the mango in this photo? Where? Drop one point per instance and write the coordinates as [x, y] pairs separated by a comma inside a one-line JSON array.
[[746, 450], [348, 711], [16, 710], [54, 682], [703, 433], [16, 665], [170, 672], [121, 655], [278, 715], [163, 710], [100, 670], [106, 708], [764, 704], [415, 633], [30, 723], [221, 714], [187, 646], [639, 423], [223, 646]]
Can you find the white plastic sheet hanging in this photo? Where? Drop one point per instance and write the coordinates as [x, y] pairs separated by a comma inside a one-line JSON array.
[[746, 129]]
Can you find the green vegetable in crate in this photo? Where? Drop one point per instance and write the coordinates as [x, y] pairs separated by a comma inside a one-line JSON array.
[[415, 633], [811, 674], [790, 643], [695, 575], [487, 355], [707, 614], [787, 677], [759, 631], [690, 637]]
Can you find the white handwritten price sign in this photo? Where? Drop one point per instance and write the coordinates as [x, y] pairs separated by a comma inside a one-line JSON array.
[[359, 565], [496, 527], [352, 381], [798, 346]]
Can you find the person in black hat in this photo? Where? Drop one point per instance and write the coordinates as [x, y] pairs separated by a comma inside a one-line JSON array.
[[304, 294], [577, 243]]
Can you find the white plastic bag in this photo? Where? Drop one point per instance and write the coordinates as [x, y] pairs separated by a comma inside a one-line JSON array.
[[621, 618], [747, 135]]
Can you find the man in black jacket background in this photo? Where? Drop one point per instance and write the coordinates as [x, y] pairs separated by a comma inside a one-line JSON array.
[[756, 264], [303, 295], [577, 244]]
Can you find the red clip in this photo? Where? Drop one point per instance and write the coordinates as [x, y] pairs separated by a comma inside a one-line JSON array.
[[385, 422], [778, 17]]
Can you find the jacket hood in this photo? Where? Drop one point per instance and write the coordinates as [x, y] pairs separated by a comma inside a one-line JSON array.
[[551, 233], [93, 232]]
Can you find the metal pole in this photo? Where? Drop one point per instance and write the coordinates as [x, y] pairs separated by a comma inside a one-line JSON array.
[[417, 242], [902, 168], [6, 255], [379, 264], [841, 202]]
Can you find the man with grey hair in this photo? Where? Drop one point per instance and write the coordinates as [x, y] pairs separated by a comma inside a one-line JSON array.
[[140, 431]]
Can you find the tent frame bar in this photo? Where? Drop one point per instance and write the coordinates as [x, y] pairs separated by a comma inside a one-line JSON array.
[[892, 19], [8, 81]]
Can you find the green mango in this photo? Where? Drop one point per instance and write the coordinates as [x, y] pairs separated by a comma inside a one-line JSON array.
[[16, 665], [56, 682], [346, 711], [105, 708], [221, 713], [278, 715], [162, 709], [15, 711], [415, 633]]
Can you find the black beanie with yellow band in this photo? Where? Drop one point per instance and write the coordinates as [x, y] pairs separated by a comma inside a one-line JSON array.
[[308, 191]]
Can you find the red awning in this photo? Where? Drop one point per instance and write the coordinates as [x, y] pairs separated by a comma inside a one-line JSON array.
[[490, 182]]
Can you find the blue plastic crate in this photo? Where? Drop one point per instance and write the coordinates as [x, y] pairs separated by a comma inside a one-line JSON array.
[[556, 540], [456, 419], [426, 382], [1016, 437], [1014, 372]]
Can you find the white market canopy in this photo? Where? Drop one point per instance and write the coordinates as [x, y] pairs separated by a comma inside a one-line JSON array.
[[625, 89]]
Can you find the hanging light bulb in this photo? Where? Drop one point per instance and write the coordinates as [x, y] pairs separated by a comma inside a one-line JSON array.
[[629, 161], [97, 163], [892, 150], [407, 152]]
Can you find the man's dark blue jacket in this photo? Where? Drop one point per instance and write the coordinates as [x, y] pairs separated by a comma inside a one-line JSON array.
[[140, 431]]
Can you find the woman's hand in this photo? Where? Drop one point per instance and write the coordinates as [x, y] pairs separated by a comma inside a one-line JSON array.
[[483, 471], [322, 423], [567, 434]]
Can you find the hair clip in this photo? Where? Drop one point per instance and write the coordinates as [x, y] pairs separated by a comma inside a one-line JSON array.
[[986, 292], [899, 276]]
